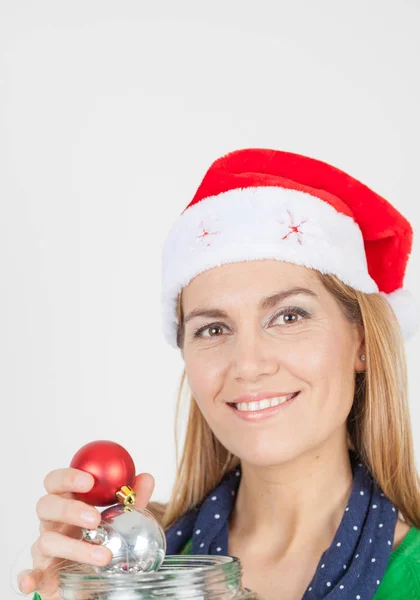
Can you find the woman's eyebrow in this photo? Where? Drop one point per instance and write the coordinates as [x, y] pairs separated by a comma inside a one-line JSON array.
[[264, 304]]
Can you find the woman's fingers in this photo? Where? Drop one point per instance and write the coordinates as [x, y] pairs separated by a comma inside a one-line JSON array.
[[61, 518], [60, 545], [60, 481], [54, 544], [144, 485], [52, 508]]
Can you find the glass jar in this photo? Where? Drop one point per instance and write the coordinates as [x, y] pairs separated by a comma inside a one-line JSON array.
[[179, 578]]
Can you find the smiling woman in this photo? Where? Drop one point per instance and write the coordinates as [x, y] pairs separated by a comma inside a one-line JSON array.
[[283, 290], [298, 455]]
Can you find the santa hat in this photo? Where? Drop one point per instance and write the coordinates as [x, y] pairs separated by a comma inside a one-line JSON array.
[[258, 204]]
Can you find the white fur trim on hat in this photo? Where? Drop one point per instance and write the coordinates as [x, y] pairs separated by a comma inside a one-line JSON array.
[[260, 223], [406, 309]]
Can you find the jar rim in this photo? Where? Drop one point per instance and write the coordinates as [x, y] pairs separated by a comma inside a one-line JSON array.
[[189, 564]]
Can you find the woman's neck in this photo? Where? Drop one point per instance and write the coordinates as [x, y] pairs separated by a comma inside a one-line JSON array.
[[280, 508]]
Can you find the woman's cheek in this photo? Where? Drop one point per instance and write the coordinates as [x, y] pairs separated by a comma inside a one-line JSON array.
[[306, 356], [204, 375]]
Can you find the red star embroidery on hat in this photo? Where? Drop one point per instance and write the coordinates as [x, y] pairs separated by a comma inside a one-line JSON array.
[[204, 233], [293, 228]]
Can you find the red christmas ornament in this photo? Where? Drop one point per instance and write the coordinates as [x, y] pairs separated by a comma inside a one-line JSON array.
[[111, 466]]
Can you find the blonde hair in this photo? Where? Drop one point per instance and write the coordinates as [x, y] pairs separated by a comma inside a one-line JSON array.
[[378, 426]]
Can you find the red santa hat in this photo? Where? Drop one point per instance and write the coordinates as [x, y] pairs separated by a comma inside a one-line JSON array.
[[256, 204]]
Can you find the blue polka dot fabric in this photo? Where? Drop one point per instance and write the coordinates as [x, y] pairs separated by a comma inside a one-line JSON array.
[[351, 568]]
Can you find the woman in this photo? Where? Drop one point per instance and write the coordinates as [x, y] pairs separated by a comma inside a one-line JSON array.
[[278, 282]]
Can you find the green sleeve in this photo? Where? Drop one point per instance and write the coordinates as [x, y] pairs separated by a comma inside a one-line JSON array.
[[402, 576], [187, 548]]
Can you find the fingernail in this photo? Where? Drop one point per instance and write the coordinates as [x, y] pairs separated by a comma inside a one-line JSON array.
[[99, 554], [88, 517]]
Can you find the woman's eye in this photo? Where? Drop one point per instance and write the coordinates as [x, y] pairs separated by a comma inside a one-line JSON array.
[[291, 316], [214, 331]]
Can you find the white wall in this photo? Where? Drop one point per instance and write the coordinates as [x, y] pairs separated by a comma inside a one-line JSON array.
[[110, 113]]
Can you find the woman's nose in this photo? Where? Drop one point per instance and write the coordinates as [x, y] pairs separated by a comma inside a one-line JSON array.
[[252, 358]]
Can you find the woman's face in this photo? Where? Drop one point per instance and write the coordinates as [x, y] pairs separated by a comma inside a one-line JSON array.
[[247, 341]]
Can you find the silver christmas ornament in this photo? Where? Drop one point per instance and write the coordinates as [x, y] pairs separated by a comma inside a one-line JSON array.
[[135, 538]]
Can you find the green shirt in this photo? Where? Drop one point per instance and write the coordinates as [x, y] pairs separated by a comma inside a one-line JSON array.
[[402, 576]]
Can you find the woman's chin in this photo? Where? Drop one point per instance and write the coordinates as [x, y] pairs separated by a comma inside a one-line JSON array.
[[267, 455]]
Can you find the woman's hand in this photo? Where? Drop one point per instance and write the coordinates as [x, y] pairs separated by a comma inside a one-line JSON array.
[[62, 518]]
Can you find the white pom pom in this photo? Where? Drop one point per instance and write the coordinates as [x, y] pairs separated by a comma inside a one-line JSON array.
[[406, 309]]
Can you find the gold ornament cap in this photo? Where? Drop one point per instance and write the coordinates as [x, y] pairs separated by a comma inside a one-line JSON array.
[[126, 495]]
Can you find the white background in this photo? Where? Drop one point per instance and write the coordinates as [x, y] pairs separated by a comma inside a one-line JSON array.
[[110, 113]]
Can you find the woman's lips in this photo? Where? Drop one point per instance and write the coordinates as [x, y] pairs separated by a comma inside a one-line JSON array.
[[258, 415]]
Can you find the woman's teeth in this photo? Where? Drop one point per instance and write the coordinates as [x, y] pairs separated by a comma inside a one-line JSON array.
[[261, 404]]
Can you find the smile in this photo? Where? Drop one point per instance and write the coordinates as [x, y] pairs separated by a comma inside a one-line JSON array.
[[259, 409], [262, 404]]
